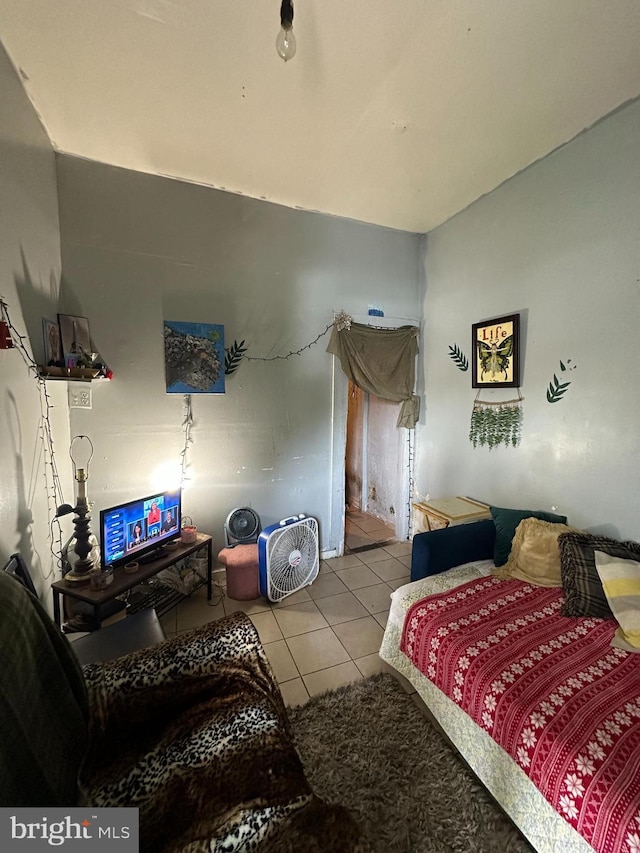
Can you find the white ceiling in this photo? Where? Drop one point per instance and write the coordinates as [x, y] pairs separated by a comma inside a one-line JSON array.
[[396, 112]]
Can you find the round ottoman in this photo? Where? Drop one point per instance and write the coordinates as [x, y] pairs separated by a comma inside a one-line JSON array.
[[243, 574]]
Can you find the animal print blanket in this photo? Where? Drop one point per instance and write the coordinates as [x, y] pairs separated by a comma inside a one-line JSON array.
[[194, 733]]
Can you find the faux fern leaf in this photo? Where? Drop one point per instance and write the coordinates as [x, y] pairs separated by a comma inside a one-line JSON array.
[[556, 390], [456, 354], [233, 356]]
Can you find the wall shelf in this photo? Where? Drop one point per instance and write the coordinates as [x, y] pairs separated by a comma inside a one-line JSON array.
[[69, 374]]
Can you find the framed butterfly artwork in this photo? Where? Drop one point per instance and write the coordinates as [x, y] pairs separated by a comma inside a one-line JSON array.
[[496, 353]]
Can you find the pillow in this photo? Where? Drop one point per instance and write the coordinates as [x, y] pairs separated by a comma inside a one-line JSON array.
[[535, 555], [583, 592], [621, 583], [506, 521]]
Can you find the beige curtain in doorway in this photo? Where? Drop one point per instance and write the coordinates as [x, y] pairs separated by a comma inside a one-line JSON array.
[[381, 362]]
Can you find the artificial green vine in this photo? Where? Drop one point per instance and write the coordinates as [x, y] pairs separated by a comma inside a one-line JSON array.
[[493, 425], [458, 357]]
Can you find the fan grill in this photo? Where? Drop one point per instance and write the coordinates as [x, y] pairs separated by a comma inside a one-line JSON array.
[[242, 525], [291, 558]]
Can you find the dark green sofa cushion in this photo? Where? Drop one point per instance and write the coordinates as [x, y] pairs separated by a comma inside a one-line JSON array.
[[506, 521]]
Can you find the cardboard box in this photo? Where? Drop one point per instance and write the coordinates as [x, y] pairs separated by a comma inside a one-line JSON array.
[[445, 512]]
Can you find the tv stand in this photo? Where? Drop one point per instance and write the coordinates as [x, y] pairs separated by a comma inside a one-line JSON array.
[[123, 582], [152, 556]]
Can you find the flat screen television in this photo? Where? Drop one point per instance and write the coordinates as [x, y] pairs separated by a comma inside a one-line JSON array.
[[137, 528]]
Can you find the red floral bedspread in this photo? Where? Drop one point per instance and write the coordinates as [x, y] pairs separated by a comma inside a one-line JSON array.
[[550, 691]]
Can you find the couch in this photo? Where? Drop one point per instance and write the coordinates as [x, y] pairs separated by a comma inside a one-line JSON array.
[[193, 732], [507, 634]]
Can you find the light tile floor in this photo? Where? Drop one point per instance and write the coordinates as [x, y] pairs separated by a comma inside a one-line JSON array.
[[325, 635], [362, 530]]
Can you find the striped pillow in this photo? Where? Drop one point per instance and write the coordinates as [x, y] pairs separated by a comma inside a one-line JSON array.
[[583, 592], [621, 583]]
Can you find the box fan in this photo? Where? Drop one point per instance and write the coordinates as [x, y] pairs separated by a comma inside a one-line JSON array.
[[288, 556]]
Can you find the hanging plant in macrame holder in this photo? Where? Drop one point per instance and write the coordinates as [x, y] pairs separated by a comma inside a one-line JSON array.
[[495, 423]]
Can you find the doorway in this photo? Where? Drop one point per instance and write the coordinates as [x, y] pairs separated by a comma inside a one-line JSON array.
[[375, 485], [375, 436]]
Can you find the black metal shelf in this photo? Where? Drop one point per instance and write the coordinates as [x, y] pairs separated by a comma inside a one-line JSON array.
[[159, 596]]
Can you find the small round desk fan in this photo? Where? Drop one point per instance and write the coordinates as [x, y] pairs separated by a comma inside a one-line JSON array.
[[242, 526], [288, 556]]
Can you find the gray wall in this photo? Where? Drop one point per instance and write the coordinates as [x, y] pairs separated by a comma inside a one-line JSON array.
[[560, 244], [29, 281], [138, 249]]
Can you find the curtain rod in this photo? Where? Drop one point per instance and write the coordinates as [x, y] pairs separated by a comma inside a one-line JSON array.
[[382, 322]]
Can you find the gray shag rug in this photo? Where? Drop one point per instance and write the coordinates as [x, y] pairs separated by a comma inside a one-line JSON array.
[[370, 748]]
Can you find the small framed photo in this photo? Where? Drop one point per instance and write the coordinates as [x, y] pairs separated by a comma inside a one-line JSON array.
[[52, 346], [74, 335], [496, 353]]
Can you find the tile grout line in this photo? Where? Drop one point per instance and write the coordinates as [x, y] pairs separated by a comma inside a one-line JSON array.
[[356, 563]]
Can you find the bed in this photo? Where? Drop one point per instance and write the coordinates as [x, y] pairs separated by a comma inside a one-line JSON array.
[[544, 709]]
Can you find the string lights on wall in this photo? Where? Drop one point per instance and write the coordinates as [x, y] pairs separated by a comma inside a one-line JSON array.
[[187, 423], [52, 478], [293, 352], [410, 460]]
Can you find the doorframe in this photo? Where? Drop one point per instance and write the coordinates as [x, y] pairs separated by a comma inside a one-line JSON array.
[[337, 492], [339, 404], [366, 407], [364, 473]]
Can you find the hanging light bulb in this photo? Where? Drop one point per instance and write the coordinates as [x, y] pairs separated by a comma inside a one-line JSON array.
[[286, 41]]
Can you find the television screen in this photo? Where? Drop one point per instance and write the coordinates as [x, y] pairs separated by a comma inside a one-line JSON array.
[[138, 527]]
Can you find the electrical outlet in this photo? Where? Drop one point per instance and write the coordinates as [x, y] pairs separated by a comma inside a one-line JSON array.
[[79, 396]]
